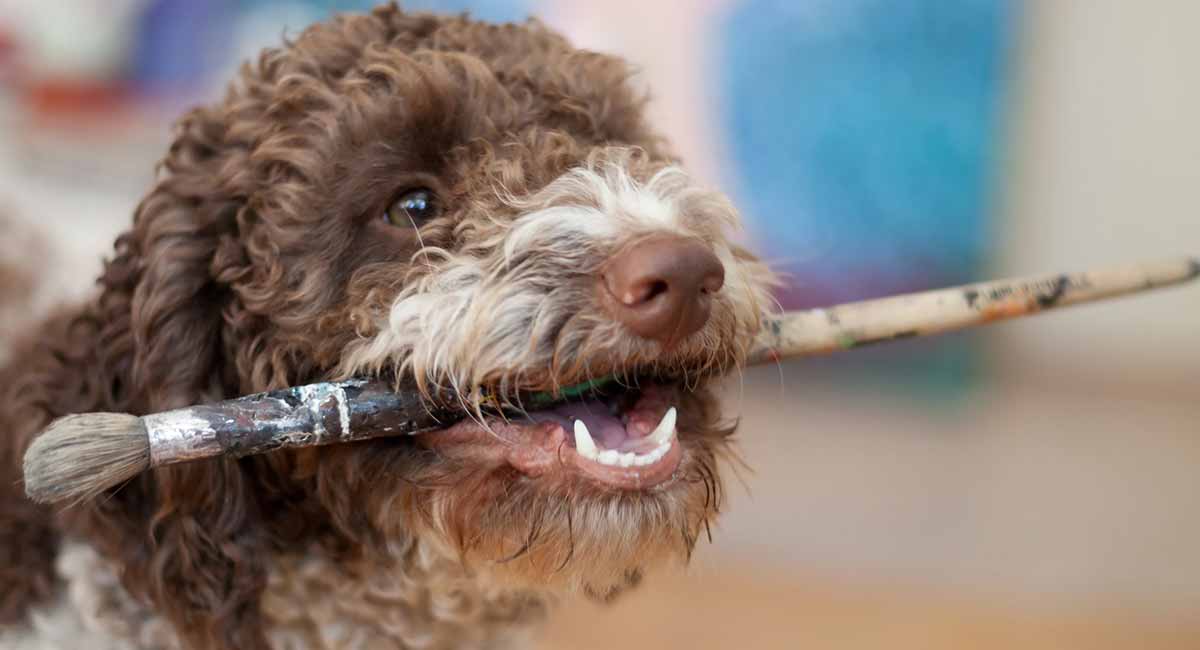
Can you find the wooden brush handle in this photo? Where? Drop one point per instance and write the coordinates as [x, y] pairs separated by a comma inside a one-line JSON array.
[[853, 325]]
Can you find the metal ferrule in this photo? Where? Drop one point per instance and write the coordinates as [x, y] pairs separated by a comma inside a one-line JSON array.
[[180, 435]]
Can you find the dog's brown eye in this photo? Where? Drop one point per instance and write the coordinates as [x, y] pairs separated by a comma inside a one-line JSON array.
[[412, 209]]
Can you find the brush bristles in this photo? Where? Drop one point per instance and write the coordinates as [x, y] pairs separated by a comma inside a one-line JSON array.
[[80, 456]]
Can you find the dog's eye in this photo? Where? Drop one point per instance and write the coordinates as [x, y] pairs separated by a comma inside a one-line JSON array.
[[413, 208]]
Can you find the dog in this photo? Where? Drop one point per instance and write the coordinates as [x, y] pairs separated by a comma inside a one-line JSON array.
[[473, 208]]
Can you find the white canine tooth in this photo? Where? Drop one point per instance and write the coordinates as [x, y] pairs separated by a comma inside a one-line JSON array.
[[583, 440], [626, 459], [665, 430], [609, 456]]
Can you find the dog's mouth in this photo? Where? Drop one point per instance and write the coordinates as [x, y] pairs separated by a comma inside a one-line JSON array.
[[621, 435]]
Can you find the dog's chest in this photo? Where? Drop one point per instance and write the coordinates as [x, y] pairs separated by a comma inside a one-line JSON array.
[[310, 604], [431, 603]]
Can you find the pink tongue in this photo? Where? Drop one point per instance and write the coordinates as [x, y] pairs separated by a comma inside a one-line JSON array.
[[606, 430]]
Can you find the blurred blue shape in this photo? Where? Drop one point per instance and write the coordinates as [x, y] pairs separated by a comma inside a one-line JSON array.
[[865, 135], [179, 43], [866, 139]]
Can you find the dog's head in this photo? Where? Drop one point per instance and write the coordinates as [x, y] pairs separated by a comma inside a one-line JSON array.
[[481, 211]]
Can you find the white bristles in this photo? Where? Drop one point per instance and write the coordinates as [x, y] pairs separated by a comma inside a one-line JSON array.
[[79, 456]]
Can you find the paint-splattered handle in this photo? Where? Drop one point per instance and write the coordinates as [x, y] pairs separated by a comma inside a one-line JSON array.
[[303, 416], [853, 325]]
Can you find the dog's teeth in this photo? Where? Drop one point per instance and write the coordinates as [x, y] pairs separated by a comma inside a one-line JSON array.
[[663, 437], [583, 441], [665, 430]]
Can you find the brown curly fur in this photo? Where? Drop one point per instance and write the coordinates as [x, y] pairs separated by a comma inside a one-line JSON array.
[[256, 261], [28, 541]]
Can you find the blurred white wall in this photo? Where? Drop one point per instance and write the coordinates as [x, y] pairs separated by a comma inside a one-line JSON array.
[[1105, 168]]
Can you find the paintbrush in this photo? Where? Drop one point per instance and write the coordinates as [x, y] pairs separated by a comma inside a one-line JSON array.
[[80, 456]]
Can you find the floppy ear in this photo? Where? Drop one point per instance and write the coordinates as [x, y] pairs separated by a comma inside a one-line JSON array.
[[176, 303], [188, 538]]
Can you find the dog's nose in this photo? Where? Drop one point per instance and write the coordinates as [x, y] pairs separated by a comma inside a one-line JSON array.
[[661, 288]]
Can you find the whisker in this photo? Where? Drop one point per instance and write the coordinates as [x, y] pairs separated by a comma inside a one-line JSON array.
[[570, 537]]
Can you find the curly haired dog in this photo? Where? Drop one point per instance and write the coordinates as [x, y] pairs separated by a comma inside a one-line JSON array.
[[468, 205]]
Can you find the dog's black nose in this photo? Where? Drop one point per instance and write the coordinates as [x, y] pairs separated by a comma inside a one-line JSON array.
[[661, 288]]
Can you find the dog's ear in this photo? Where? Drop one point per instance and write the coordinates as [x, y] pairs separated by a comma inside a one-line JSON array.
[[188, 538], [176, 301]]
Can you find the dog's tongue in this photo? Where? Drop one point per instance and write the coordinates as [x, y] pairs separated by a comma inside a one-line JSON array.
[[607, 429]]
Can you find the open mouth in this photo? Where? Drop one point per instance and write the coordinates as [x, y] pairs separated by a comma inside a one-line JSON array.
[[622, 436], [617, 435]]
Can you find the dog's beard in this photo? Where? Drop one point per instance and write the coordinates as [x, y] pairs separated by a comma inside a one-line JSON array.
[[559, 529]]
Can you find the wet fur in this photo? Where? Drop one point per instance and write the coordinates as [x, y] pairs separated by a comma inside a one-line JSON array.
[[257, 261]]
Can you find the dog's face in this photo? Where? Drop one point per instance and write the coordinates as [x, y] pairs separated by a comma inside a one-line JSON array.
[[481, 212]]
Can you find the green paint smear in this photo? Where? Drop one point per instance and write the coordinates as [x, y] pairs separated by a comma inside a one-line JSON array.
[[567, 392], [846, 341]]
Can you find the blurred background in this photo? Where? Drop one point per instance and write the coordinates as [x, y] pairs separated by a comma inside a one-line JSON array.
[[1032, 485]]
